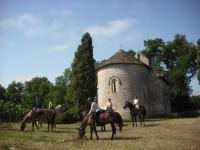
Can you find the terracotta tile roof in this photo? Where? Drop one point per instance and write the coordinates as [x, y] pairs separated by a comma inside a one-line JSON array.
[[121, 57]]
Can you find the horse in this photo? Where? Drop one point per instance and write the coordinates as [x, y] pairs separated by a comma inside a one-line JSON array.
[[43, 115], [57, 110], [119, 120], [102, 118], [134, 113]]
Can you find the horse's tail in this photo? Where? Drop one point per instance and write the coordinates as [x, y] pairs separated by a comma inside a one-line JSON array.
[[143, 110], [119, 120]]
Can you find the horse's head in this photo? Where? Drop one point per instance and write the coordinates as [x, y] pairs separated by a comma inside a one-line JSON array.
[[81, 133], [126, 104], [59, 108], [23, 125]]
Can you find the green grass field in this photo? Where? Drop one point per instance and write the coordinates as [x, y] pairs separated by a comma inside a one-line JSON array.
[[158, 134]]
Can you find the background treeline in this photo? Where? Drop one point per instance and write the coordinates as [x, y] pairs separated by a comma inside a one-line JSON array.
[[177, 61]]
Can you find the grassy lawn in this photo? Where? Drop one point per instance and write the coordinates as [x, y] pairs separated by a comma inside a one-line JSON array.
[[158, 134]]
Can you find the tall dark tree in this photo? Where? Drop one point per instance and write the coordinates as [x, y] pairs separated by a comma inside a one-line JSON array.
[[198, 60], [83, 73]]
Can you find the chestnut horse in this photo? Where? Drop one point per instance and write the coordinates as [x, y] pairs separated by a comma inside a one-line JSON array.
[[103, 128], [134, 112], [102, 118], [43, 115]]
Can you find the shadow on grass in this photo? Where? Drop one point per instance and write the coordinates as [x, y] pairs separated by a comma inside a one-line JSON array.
[[66, 131], [157, 119], [72, 128], [122, 138], [151, 125]]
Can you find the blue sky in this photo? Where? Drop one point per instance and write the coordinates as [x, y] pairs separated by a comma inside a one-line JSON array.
[[39, 37]]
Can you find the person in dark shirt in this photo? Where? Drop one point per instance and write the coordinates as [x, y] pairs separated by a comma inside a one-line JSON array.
[[37, 105]]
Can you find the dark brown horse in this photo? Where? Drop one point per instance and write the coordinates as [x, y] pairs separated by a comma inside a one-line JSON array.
[[141, 113], [43, 115], [103, 128], [101, 119]]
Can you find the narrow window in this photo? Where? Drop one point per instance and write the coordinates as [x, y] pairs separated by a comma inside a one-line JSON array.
[[144, 92], [114, 86]]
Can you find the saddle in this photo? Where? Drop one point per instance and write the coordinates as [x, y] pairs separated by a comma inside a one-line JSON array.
[[96, 116], [39, 112]]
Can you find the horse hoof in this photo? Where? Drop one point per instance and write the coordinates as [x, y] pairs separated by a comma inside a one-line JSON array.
[[97, 138]]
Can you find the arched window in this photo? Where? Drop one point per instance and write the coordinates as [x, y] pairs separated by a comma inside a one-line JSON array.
[[113, 85]]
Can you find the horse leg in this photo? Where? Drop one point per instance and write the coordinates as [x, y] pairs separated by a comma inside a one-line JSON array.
[[135, 120], [102, 128], [113, 130], [33, 125], [36, 125], [48, 125], [95, 131], [91, 132], [141, 120], [52, 124], [132, 117]]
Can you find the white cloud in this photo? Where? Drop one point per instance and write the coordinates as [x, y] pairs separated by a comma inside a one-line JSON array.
[[111, 28], [59, 48], [33, 31], [23, 21]]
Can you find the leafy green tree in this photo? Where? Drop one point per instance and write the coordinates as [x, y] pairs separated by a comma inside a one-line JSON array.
[[176, 59], [14, 92], [38, 86], [180, 61], [64, 80], [83, 73], [2, 93], [198, 60], [154, 52], [58, 92]]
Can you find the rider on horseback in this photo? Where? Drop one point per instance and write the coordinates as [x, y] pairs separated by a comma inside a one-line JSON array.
[[50, 105], [37, 105], [109, 105], [136, 103], [94, 109]]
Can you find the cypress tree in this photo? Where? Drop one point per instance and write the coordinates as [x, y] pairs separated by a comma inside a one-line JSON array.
[[83, 73]]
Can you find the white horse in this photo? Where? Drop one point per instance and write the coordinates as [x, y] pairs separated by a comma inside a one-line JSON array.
[[57, 109]]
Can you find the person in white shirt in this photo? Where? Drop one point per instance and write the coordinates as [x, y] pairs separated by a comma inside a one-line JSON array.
[[109, 105], [136, 103], [50, 105], [94, 106]]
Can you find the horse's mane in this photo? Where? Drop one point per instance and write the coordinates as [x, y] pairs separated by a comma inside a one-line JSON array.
[[130, 104], [27, 116]]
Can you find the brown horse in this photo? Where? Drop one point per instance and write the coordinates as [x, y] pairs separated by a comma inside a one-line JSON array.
[[102, 118], [43, 115], [134, 112], [118, 119]]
